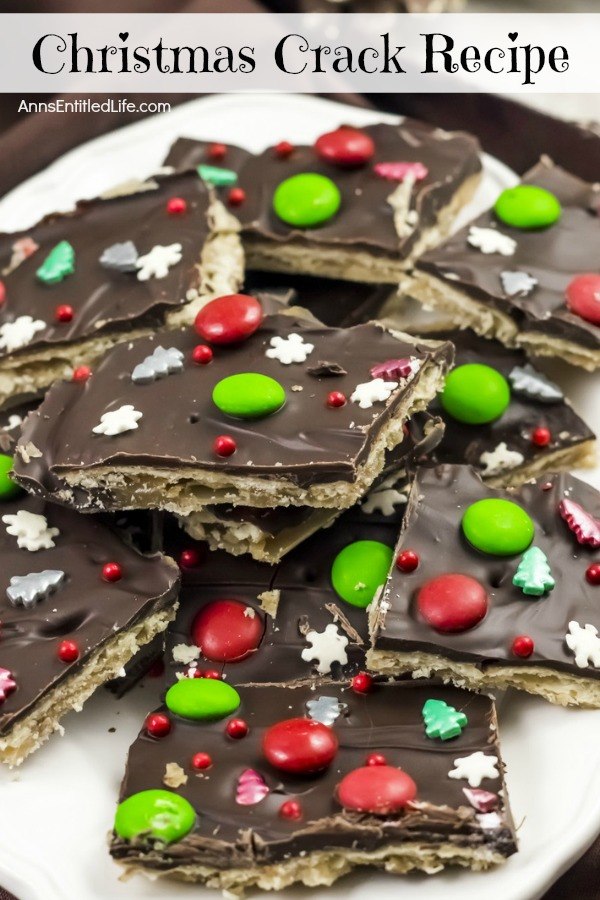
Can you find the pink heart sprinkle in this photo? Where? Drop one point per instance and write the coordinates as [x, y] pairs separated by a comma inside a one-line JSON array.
[[482, 801], [583, 525], [399, 171], [251, 788], [393, 369], [7, 684]]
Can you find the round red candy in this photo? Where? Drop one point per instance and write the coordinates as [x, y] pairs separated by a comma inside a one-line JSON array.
[[227, 630], [583, 297], [376, 789], [210, 673], [290, 809], [68, 651], [2, 292], [375, 759], [236, 196], [300, 746], [541, 436], [157, 725], [336, 399], [112, 571], [592, 573], [229, 319], [362, 683], [224, 445], [345, 147], [189, 559], [201, 761], [176, 206], [81, 374], [63, 313], [217, 151], [452, 602], [202, 354], [522, 646], [237, 729], [407, 561], [284, 149]]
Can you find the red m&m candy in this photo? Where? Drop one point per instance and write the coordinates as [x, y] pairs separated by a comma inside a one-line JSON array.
[[346, 147], [452, 602], [229, 319], [376, 789], [583, 297], [227, 630], [300, 746]]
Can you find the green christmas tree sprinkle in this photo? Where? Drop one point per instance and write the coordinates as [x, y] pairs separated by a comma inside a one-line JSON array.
[[533, 573], [217, 176], [442, 721], [59, 263]]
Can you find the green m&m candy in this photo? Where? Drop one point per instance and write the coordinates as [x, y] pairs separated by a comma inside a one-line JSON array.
[[499, 527], [202, 698], [248, 395], [475, 394], [306, 200], [359, 569], [161, 814], [527, 206], [8, 488]]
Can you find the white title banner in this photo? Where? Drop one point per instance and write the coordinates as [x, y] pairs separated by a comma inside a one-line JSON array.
[[328, 53]]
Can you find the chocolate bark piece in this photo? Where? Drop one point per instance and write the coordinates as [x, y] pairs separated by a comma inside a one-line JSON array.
[[382, 224], [305, 454], [465, 282], [268, 534], [503, 451], [241, 839], [54, 592], [486, 655], [97, 293]]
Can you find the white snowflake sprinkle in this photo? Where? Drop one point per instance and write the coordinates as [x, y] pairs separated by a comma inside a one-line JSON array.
[[585, 644], [17, 334], [289, 350], [158, 261], [327, 647], [125, 418], [475, 768], [384, 497], [185, 653], [489, 240], [31, 530], [375, 391], [501, 459]]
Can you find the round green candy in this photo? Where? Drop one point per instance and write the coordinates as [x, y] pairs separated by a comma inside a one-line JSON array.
[[475, 394], [202, 698], [498, 527], [8, 487], [527, 206], [248, 395], [359, 569], [306, 200], [161, 814]]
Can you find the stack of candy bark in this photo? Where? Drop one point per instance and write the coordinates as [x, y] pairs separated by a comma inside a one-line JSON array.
[[337, 533]]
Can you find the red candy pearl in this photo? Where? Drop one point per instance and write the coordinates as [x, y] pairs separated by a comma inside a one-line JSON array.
[[210, 673], [335, 399], [376, 789], [63, 313], [291, 809], [407, 561], [2, 292], [217, 151], [237, 728], [300, 746], [229, 319], [345, 147], [224, 445], [592, 573], [112, 571], [202, 355], [451, 603], [583, 297], [225, 633], [176, 206], [375, 759], [522, 645], [157, 725], [81, 374], [201, 761], [541, 437], [189, 559], [236, 196], [362, 683], [284, 149], [68, 651]]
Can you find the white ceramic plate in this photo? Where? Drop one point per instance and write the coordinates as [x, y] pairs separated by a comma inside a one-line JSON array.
[[56, 811]]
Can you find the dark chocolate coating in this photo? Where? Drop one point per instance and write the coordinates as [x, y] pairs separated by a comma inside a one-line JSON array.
[[553, 255], [104, 300], [305, 442], [432, 529], [463, 443], [84, 608], [387, 720], [365, 221]]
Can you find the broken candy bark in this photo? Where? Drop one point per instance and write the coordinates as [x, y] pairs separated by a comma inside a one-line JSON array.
[[283, 786], [505, 589], [522, 282]]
